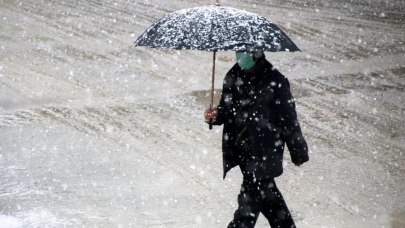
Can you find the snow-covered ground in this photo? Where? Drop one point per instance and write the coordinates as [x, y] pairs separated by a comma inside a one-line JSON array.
[[97, 133]]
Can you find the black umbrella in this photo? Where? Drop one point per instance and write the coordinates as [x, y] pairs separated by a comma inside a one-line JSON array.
[[215, 28]]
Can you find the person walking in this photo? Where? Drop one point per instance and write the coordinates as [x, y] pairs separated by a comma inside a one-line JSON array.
[[258, 112]]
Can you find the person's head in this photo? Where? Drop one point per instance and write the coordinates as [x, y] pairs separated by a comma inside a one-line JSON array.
[[247, 59]]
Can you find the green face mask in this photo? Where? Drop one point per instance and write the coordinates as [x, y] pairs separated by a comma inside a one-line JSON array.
[[245, 60]]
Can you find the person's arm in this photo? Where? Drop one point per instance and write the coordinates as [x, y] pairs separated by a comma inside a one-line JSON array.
[[288, 121]]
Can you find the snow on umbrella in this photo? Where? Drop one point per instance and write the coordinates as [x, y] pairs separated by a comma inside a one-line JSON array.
[[215, 28]]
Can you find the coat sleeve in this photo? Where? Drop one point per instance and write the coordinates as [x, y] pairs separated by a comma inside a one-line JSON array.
[[288, 121]]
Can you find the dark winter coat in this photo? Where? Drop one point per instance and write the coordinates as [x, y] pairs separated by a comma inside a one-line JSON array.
[[258, 107]]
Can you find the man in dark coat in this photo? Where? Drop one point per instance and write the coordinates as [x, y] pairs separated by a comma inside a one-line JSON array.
[[259, 118]]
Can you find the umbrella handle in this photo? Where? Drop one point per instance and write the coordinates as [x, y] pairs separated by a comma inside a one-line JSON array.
[[211, 120]]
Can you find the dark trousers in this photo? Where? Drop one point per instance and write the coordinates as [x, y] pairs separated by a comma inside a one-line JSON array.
[[264, 197]]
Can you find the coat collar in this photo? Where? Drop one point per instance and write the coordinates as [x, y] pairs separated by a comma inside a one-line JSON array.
[[262, 70]]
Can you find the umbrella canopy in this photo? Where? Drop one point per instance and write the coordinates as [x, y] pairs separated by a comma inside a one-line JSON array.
[[215, 28]]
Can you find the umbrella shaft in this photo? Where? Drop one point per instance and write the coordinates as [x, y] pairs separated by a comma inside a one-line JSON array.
[[213, 78]]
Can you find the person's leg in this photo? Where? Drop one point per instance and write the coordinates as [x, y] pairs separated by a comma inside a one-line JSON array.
[[249, 207], [274, 207]]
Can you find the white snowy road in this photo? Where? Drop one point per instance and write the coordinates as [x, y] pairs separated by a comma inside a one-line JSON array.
[[97, 133]]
